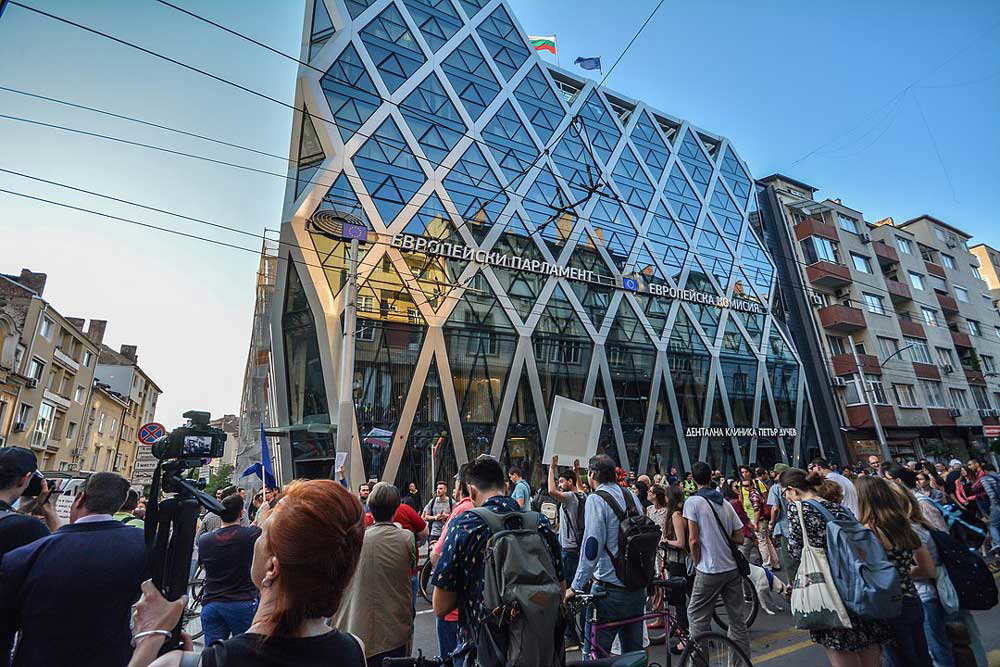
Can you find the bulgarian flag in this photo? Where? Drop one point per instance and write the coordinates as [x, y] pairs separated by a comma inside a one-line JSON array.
[[543, 42]]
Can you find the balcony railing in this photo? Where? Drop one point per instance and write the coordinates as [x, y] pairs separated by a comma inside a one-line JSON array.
[[948, 304], [961, 339], [935, 269], [828, 274], [898, 292], [66, 360], [843, 319], [844, 364], [814, 227], [911, 327], [885, 253], [860, 416]]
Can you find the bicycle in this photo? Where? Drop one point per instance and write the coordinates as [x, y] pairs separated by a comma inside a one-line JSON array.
[[751, 604], [703, 650], [424, 578], [196, 590]]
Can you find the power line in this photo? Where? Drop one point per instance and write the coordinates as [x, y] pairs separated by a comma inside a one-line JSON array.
[[934, 143]]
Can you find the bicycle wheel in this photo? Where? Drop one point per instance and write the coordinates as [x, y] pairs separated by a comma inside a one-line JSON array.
[[751, 605], [424, 584], [711, 649]]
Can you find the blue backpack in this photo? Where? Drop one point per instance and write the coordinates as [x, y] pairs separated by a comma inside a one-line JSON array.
[[867, 581]]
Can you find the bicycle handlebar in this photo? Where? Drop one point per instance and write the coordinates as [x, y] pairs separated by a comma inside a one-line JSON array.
[[418, 661]]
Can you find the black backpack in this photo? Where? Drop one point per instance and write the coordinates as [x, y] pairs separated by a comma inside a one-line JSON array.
[[576, 523], [638, 539], [969, 574]]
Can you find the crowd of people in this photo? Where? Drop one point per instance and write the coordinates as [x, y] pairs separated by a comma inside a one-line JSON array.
[[317, 573]]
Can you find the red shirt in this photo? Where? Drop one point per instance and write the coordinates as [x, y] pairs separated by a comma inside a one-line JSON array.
[[406, 517]]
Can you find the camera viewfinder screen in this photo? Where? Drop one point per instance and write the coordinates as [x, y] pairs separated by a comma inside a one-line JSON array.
[[197, 445]]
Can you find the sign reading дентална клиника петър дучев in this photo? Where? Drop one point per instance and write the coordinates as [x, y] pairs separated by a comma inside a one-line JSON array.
[[740, 431], [426, 246]]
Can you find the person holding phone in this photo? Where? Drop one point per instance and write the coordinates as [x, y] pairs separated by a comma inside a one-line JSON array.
[[19, 477]]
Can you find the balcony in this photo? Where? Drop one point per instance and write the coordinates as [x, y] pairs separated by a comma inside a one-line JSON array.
[[842, 319], [961, 340], [926, 371], [974, 377], [859, 416], [941, 416], [52, 397], [948, 304], [843, 364], [885, 253], [935, 269], [911, 328], [65, 360], [828, 274], [814, 227], [898, 292]]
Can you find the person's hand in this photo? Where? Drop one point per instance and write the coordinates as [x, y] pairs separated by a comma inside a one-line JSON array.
[[569, 595], [555, 461], [576, 464], [154, 612]]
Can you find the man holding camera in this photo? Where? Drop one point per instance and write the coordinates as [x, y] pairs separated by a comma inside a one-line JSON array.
[[19, 476], [70, 593]]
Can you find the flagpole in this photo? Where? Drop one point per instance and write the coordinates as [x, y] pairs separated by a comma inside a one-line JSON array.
[[555, 39]]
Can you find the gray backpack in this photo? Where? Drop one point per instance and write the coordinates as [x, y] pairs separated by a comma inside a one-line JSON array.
[[522, 595]]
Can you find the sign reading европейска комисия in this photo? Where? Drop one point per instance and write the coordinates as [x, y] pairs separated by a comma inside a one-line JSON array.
[[427, 246]]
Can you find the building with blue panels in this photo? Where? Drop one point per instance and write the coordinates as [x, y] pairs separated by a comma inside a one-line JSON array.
[[530, 235]]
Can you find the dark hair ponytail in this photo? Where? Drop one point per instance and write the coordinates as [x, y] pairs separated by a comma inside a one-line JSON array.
[[796, 478]]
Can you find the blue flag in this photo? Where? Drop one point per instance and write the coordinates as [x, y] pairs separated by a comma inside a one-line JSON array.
[[265, 461], [588, 63]]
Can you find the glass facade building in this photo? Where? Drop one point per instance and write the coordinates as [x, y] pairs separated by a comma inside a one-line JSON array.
[[530, 235]]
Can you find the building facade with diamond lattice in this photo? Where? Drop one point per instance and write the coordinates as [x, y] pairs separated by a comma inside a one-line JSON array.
[[530, 235]]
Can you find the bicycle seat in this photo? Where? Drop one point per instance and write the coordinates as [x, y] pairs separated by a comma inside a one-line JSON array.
[[633, 659], [671, 583]]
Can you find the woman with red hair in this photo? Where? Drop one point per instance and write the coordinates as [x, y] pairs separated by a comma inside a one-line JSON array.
[[302, 564]]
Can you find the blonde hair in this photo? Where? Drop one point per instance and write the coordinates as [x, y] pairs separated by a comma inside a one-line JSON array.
[[883, 510]]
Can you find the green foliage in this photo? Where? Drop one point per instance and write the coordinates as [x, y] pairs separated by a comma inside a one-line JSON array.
[[219, 478]]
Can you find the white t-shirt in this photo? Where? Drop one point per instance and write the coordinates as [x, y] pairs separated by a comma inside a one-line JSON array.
[[850, 493], [716, 556]]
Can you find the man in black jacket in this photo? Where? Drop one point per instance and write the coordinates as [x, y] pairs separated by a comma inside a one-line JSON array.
[[71, 592], [17, 465]]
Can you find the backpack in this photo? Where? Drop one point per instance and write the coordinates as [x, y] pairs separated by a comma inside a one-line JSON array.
[[866, 579], [638, 539], [522, 595], [969, 574], [576, 523]]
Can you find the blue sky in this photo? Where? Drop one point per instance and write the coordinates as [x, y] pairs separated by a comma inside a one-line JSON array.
[[781, 79]]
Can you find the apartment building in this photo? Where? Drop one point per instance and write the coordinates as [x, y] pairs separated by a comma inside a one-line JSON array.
[[101, 441], [230, 424], [122, 375], [903, 327], [52, 362], [989, 268]]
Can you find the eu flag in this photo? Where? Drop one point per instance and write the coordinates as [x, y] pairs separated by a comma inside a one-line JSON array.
[[589, 63]]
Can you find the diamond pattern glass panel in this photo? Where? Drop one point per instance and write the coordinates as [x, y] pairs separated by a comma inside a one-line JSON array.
[[601, 128], [391, 45], [541, 202], [633, 184], [736, 177], [503, 42], [471, 77], [668, 241], [575, 164], [356, 7], [322, 28], [539, 103], [523, 287], [714, 255], [698, 166], [437, 20], [613, 231], [350, 92], [476, 192], [432, 119], [651, 148], [510, 143], [472, 7], [727, 216], [682, 198], [388, 169]]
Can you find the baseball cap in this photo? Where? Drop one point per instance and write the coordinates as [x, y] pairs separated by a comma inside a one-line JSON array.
[[780, 467], [17, 461], [955, 463]]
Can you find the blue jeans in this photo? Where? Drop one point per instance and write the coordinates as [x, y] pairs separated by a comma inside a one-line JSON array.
[[937, 638], [617, 605], [909, 646], [447, 636], [570, 561], [222, 620]]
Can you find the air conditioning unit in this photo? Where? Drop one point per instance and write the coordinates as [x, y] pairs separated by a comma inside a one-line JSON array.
[[952, 244], [955, 412], [31, 383], [843, 293], [19, 427], [947, 369], [985, 412], [838, 382], [865, 238], [817, 299]]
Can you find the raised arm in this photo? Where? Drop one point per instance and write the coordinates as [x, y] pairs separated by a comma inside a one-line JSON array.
[[553, 487]]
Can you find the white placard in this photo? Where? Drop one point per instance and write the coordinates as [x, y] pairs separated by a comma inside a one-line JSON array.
[[573, 432], [339, 460]]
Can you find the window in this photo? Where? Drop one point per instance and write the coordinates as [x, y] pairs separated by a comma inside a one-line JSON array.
[[929, 315], [861, 263], [566, 351], [996, 330], [47, 327], [413, 316], [937, 283], [904, 245], [859, 347], [944, 356], [959, 399], [932, 393], [100, 423], [836, 345], [916, 280], [904, 395], [988, 364], [93, 461], [42, 425], [941, 234], [70, 430], [79, 394], [962, 294], [980, 396], [817, 248], [948, 260], [974, 328], [847, 224], [877, 389], [88, 356], [928, 254], [874, 304], [887, 347], [852, 395], [975, 270], [114, 424], [365, 332], [366, 303], [918, 350], [36, 368]]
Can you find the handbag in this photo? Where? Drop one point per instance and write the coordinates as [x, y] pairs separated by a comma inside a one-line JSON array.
[[742, 564], [816, 604], [946, 591]]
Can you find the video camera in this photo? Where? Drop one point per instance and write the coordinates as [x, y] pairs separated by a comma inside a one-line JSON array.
[[171, 523]]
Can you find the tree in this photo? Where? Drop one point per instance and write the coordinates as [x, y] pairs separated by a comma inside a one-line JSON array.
[[219, 478]]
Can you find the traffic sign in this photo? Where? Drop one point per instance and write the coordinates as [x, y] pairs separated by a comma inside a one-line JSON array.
[[151, 432], [991, 431]]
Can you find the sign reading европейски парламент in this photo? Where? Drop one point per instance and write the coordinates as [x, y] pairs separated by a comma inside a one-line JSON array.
[[466, 253]]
